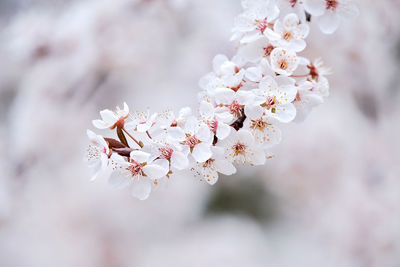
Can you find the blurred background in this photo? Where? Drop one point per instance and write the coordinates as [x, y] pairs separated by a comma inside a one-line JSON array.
[[330, 197]]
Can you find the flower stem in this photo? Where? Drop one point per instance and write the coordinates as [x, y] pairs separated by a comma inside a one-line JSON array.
[[133, 138]]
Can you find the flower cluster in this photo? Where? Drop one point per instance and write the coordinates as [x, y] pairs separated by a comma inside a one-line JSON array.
[[242, 103]]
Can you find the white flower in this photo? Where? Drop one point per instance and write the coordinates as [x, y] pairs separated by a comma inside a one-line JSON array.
[[292, 33], [261, 127], [98, 155], [195, 137], [306, 99], [277, 100], [331, 12], [227, 73], [209, 170], [165, 148], [284, 61], [262, 69], [316, 68], [141, 121], [217, 122], [139, 172], [241, 148], [292, 6], [110, 119], [254, 20], [231, 102], [257, 49]]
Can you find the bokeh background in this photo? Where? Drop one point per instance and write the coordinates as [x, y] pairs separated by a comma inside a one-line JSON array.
[[330, 197]]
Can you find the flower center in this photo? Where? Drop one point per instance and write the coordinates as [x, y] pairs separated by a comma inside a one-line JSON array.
[[239, 149], [258, 124], [268, 50], [135, 168], [213, 125], [166, 152], [191, 140], [292, 2], [287, 36], [283, 64], [235, 109], [208, 163], [261, 24], [331, 4]]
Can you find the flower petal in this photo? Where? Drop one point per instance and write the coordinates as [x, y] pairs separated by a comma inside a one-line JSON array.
[[141, 188]]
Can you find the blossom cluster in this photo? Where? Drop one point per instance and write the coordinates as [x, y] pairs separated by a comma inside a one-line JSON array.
[[242, 103]]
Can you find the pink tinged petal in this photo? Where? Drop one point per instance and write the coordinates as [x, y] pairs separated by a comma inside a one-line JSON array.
[[224, 117], [291, 20], [139, 156], [254, 74], [254, 51], [206, 110], [141, 188], [224, 95], [155, 171], [257, 157], [177, 133], [125, 110], [201, 152], [218, 61], [268, 83], [244, 97], [329, 22], [91, 135], [298, 45], [224, 166], [191, 125], [143, 127], [223, 131], [108, 117], [315, 7], [245, 137], [119, 180], [285, 113], [179, 160], [210, 175], [99, 124], [203, 133], [349, 11], [253, 112]]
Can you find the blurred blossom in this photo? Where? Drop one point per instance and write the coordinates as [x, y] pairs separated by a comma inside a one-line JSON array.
[[333, 184]]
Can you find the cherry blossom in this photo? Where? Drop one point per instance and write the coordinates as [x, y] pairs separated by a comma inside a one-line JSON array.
[[277, 99], [97, 155], [241, 103], [292, 33], [139, 172], [195, 137], [331, 12], [262, 127], [217, 122], [241, 148], [208, 170], [284, 61], [110, 119]]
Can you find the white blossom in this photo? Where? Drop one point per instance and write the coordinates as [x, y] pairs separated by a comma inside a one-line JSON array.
[[195, 137], [330, 13], [277, 99], [139, 172], [98, 155], [110, 118], [292, 33], [284, 61], [241, 148], [208, 170]]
